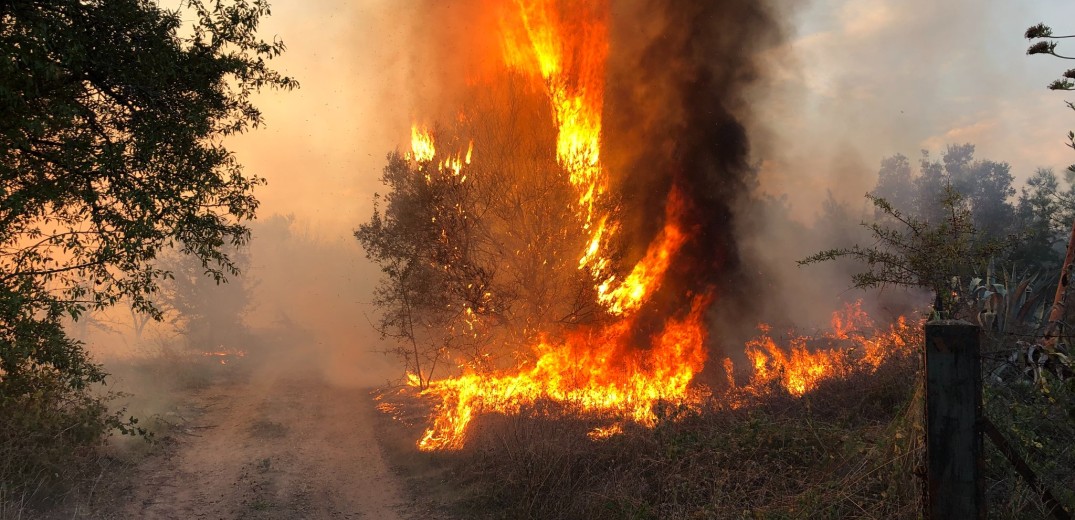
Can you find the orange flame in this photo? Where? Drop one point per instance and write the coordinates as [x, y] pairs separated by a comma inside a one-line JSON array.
[[605, 432], [648, 273], [799, 369], [597, 369], [422, 149], [568, 51]]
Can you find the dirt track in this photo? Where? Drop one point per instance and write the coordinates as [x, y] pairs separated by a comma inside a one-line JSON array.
[[271, 446]]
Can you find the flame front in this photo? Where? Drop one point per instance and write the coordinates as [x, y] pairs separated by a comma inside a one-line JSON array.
[[598, 371], [799, 369]]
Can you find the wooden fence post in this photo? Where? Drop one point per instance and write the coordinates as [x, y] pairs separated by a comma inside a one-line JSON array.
[[953, 409]]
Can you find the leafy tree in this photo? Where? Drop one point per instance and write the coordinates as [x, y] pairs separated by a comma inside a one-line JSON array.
[[478, 261], [895, 182], [112, 114], [987, 187], [208, 311], [406, 242], [1042, 214], [912, 252]]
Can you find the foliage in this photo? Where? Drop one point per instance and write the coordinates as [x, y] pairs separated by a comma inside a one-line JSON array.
[[111, 119], [416, 295], [913, 252], [206, 310], [972, 200], [50, 428], [984, 186], [1006, 303], [1044, 212], [1048, 46], [477, 261], [1039, 426]]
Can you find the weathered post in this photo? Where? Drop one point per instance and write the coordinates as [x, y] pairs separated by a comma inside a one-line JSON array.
[[953, 408]]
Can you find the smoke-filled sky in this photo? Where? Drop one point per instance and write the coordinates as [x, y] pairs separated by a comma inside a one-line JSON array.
[[856, 81], [865, 79], [859, 80]]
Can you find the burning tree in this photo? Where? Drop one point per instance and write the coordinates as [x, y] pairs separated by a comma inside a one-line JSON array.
[[511, 235], [474, 252]]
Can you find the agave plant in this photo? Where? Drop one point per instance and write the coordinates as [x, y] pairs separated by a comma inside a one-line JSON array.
[[1014, 305], [1007, 303]]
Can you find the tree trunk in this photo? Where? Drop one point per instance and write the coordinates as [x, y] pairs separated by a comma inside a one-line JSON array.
[[1056, 314]]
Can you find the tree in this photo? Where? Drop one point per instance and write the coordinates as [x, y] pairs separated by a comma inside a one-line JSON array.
[[984, 188], [479, 257], [985, 185], [913, 252], [1047, 45], [111, 120], [1042, 213], [895, 182], [207, 312]]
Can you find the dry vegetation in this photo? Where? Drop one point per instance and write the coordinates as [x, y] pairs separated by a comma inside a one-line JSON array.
[[62, 460], [850, 448]]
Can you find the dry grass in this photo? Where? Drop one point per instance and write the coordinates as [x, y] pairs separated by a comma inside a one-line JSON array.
[[849, 449], [58, 455]]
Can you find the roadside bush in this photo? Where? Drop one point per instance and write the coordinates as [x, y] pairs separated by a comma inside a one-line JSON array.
[[50, 430]]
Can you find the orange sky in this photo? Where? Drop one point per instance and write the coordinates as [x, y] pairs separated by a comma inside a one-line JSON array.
[[325, 143], [859, 80]]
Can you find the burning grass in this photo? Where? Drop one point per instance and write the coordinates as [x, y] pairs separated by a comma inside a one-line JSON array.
[[847, 447], [621, 384], [821, 426]]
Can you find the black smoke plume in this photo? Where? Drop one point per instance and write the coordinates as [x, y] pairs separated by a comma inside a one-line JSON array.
[[677, 104]]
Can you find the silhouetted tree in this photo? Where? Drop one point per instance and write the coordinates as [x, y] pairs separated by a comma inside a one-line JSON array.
[[1041, 220], [208, 311], [112, 114], [895, 182]]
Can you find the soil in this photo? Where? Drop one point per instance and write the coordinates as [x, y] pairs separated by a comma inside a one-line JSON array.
[[271, 445]]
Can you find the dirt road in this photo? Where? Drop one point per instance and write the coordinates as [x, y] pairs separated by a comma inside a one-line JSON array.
[[274, 446]]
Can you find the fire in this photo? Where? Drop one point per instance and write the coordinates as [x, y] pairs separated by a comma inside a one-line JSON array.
[[567, 50], [610, 370], [799, 369], [422, 149], [647, 274], [598, 371], [604, 432], [224, 355]]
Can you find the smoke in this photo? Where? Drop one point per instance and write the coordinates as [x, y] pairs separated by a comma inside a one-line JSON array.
[[679, 103], [771, 116], [865, 79], [312, 308]]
